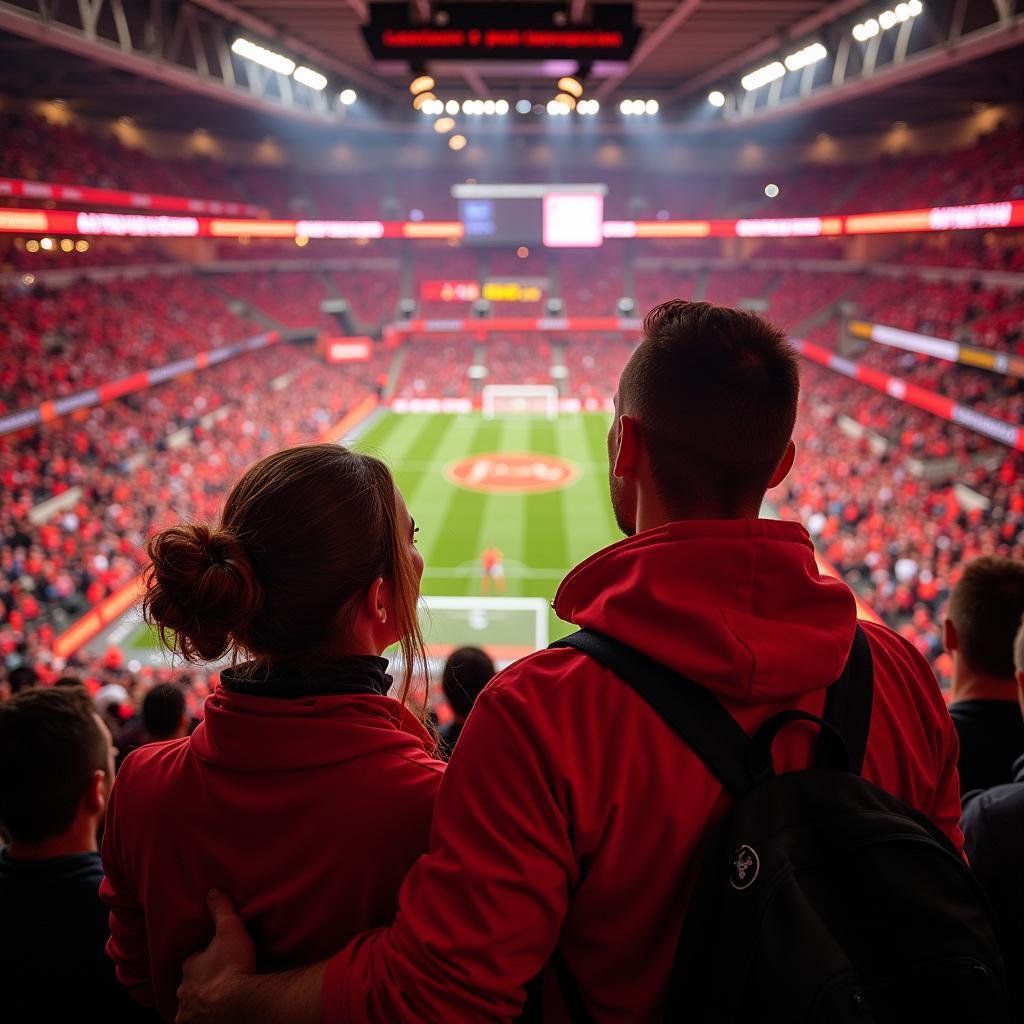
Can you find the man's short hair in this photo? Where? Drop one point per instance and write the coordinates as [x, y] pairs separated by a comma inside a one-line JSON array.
[[466, 672], [50, 744], [163, 710], [986, 608], [715, 392]]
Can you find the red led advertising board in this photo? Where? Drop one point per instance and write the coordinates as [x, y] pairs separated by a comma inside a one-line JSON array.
[[449, 291], [489, 31]]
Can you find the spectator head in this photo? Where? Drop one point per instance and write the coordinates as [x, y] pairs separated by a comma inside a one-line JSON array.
[[164, 713], [56, 766], [68, 681], [703, 415], [466, 672], [22, 678], [314, 558], [984, 614]]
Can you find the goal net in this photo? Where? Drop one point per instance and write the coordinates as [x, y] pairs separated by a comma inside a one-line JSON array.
[[520, 399]]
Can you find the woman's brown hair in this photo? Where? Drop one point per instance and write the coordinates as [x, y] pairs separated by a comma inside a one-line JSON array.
[[304, 532]]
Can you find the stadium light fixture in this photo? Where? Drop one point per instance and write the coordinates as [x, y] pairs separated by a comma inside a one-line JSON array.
[[808, 55], [348, 97], [652, 107], [716, 98], [451, 107], [523, 106], [308, 77], [865, 30], [261, 55], [566, 100], [420, 100], [501, 107], [762, 76], [771, 190], [571, 85], [421, 83], [457, 142], [443, 125], [489, 108], [556, 108]]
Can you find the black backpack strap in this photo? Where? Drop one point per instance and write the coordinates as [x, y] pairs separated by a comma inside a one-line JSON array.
[[849, 699], [686, 707]]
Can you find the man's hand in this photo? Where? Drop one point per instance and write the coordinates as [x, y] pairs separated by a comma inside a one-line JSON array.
[[221, 986], [214, 979]]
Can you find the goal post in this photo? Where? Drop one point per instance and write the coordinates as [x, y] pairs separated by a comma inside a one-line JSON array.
[[520, 399]]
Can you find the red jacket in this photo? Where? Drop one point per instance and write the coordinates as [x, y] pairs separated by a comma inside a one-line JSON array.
[[310, 812], [570, 814]]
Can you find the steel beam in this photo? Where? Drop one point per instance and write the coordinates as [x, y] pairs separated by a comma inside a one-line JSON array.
[[648, 44]]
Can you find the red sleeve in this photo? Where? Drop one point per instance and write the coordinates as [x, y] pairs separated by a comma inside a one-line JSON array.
[[480, 914], [127, 946], [926, 708]]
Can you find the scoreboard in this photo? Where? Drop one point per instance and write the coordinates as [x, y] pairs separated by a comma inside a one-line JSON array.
[[507, 32], [556, 216]]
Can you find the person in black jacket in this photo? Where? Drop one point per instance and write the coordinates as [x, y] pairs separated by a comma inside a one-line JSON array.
[[466, 672], [56, 770], [984, 610], [993, 824]]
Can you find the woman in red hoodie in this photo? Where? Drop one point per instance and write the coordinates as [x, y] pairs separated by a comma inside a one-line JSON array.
[[308, 790]]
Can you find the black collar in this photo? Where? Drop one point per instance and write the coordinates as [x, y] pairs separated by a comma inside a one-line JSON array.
[[357, 674]]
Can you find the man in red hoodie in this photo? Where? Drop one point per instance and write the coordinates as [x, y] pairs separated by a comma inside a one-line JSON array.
[[572, 816]]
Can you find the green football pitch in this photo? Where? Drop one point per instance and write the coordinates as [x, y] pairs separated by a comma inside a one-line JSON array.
[[541, 535]]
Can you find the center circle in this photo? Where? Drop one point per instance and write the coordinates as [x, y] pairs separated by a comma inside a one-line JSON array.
[[512, 473]]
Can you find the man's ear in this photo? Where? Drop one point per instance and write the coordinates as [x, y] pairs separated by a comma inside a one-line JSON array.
[[784, 466], [628, 453], [950, 641], [95, 796]]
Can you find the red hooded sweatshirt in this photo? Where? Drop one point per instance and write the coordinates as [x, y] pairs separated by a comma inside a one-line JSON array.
[[571, 815], [310, 812]]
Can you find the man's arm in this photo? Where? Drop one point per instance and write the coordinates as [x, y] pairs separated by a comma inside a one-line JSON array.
[[480, 914]]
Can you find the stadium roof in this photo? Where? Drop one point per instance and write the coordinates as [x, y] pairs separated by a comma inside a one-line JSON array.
[[154, 59]]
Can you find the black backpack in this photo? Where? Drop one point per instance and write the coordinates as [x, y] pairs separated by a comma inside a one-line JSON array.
[[822, 898]]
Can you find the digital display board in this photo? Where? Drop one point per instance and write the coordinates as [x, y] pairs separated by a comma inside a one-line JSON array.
[[501, 221], [481, 31]]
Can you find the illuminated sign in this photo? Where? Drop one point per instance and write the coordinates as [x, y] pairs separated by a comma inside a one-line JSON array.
[[573, 220], [449, 291], [512, 291], [348, 350], [534, 31]]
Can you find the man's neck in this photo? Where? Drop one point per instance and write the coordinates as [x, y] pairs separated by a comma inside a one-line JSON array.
[[973, 686], [78, 839]]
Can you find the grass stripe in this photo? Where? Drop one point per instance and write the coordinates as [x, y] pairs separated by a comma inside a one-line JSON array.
[[544, 522], [457, 515]]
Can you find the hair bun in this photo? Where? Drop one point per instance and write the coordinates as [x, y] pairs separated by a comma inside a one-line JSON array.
[[200, 589]]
